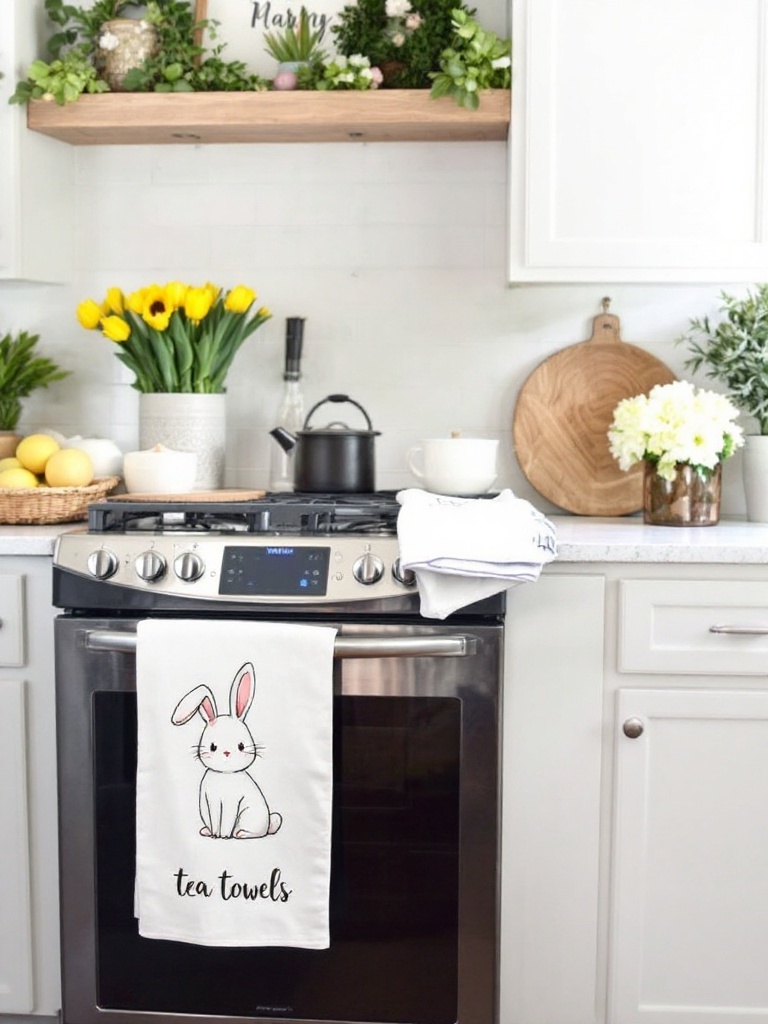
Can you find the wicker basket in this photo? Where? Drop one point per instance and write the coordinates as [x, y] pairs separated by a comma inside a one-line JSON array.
[[39, 505]]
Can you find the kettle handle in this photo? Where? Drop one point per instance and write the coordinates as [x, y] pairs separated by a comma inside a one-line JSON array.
[[338, 398]]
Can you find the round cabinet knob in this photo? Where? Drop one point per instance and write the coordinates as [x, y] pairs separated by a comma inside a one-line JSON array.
[[405, 576], [150, 566], [368, 569], [102, 564], [633, 727], [188, 566]]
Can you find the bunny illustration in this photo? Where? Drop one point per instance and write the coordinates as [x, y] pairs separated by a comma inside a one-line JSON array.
[[232, 806]]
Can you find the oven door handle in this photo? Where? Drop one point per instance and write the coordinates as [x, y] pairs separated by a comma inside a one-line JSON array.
[[451, 646]]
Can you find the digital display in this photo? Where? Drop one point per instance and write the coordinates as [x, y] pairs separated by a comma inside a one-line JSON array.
[[275, 570]]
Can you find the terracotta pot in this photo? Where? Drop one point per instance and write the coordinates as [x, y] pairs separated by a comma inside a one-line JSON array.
[[8, 443]]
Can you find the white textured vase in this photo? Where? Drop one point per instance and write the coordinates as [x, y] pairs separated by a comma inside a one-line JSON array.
[[188, 423], [755, 471]]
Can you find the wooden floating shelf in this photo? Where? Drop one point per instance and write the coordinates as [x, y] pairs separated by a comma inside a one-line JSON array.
[[388, 115]]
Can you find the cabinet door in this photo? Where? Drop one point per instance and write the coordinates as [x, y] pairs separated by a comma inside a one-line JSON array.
[[15, 933], [553, 711], [638, 140], [36, 173], [689, 909]]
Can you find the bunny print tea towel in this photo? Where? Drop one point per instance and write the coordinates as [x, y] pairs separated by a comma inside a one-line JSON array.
[[234, 782]]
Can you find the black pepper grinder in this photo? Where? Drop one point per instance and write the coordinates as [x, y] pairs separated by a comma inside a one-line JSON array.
[[291, 411]]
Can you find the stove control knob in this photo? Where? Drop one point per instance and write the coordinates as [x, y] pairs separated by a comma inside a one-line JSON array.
[[150, 566], [188, 566], [405, 576], [102, 564], [368, 569]]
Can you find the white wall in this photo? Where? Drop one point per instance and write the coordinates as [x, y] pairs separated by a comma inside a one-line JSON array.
[[395, 254]]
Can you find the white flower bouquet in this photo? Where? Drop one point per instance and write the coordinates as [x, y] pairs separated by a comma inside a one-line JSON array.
[[675, 423]]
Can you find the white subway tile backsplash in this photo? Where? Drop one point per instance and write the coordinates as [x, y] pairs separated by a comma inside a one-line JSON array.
[[394, 252]]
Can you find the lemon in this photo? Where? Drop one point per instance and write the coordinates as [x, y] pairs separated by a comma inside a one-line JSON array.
[[17, 477], [34, 451], [69, 467], [10, 462]]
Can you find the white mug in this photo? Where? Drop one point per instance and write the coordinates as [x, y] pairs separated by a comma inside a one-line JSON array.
[[455, 465]]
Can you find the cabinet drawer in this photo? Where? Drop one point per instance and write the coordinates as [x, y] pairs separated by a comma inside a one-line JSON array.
[[701, 627], [11, 618]]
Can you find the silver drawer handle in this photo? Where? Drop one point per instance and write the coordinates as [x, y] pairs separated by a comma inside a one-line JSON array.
[[740, 630], [344, 647]]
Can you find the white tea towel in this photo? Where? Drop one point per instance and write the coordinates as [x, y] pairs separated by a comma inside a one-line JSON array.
[[234, 782], [465, 549]]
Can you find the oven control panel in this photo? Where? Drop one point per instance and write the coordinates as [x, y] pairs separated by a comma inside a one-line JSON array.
[[240, 567]]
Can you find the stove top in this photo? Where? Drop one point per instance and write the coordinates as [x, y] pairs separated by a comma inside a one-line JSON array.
[[277, 513]]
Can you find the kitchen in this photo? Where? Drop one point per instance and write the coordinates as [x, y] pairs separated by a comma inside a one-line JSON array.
[[397, 256]]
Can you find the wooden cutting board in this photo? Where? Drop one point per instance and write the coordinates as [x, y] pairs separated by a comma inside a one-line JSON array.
[[563, 413], [198, 497]]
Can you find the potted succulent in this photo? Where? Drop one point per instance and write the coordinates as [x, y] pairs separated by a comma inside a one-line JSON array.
[[22, 371], [297, 45], [734, 352]]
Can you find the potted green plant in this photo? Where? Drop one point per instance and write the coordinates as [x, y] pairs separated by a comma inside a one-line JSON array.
[[734, 352], [475, 61], [22, 371], [73, 46], [175, 62], [401, 38]]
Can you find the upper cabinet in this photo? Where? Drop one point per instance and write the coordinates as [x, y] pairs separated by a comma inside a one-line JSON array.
[[36, 174], [638, 141]]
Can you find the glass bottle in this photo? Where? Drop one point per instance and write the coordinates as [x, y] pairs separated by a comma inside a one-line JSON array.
[[291, 412]]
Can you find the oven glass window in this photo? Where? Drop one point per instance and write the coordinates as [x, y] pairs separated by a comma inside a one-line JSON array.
[[394, 882]]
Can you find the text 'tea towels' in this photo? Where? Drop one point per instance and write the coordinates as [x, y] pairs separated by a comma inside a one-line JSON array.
[[234, 782], [463, 550]]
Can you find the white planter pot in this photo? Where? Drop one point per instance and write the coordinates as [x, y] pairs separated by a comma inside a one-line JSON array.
[[755, 470], [188, 423]]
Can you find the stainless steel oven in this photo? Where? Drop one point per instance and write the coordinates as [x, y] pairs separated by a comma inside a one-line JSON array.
[[414, 862]]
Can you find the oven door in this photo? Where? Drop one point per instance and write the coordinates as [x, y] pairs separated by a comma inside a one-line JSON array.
[[414, 863]]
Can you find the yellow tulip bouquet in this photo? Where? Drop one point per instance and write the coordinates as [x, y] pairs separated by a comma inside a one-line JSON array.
[[176, 337]]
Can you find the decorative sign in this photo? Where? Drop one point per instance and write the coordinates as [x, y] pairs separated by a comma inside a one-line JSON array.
[[242, 24]]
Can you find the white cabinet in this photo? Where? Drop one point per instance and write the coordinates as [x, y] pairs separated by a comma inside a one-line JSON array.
[[635, 866], [689, 910], [36, 173], [16, 933], [638, 140], [553, 710], [29, 944]]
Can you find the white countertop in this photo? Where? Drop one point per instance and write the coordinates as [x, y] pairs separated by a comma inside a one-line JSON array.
[[31, 540], [628, 539], [579, 539]]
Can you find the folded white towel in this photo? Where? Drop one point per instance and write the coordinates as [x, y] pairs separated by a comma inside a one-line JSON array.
[[234, 782], [465, 549]]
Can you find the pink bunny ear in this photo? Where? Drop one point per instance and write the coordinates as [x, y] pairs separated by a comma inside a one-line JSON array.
[[242, 692], [200, 699]]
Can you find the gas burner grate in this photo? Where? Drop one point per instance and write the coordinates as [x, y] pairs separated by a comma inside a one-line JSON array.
[[274, 513]]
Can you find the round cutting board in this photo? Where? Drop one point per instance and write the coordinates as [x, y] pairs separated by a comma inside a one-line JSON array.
[[562, 416]]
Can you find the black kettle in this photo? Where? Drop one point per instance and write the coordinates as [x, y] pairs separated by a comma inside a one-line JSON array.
[[334, 459]]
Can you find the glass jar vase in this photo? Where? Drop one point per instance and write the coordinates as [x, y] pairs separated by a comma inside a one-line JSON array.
[[690, 498]]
